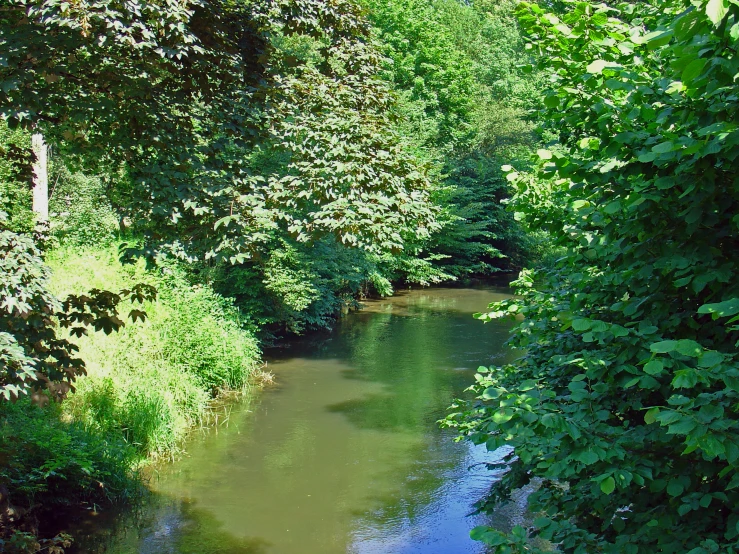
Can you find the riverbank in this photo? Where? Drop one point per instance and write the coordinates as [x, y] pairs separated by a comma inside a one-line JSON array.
[[343, 454], [146, 387]]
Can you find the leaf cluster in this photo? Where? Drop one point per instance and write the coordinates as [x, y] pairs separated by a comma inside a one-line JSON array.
[[624, 400]]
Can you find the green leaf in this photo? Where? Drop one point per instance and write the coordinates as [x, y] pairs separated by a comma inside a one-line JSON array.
[[689, 348], [716, 10], [551, 101], [653, 367], [651, 415], [711, 446], [598, 66], [665, 147], [685, 378], [608, 485], [581, 324], [655, 39], [491, 393], [587, 457], [663, 347], [619, 331], [721, 309], [693, 70], [675, 488], [710, 358], [682, 426]]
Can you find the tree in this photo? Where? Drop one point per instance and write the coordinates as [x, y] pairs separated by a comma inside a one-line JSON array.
[[175, 102], [463, 100], [623, 405], [179, 95]]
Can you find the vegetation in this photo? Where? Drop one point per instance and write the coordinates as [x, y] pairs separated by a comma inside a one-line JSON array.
[[250, 153], [150, 383], [464, 100], [261, 166], [623, 404]]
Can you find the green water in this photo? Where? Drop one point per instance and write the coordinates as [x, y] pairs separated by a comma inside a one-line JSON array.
[[342, 454]]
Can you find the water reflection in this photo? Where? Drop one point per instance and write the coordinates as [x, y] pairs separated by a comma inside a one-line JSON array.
[[344, 455]]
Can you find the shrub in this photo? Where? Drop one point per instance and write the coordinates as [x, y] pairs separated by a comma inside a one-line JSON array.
[[79, 208], [52, 462], [151, 382], [625, 402]]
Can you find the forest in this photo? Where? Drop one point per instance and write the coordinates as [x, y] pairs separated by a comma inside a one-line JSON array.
[[184, 184]]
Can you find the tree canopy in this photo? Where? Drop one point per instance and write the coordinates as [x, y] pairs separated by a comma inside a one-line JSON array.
[[175, 96]]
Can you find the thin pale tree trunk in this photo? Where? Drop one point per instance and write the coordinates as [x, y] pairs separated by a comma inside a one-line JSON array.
[[40, 177]]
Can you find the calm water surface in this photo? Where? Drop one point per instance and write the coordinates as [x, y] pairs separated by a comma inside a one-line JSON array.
[[343, 455]]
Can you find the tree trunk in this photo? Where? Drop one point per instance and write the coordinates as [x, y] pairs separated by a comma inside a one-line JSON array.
[[40, 177]]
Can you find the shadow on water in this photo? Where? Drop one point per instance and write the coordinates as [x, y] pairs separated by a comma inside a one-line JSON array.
[[344, 455], [165, 526]]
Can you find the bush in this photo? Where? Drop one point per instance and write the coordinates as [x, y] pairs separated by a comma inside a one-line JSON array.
[[625, 402], [298, 288], [52, 462], [16, 172], [151, 382], [79, 208]]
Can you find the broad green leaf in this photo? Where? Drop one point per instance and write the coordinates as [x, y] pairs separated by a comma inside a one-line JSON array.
[[665, 147], [682, 426], [598, 66], [716, 10], [663, 347], [655, 39], [491, 393], [551, 101], [675, 488], [650, 416], [693, 70], [581, 324], [689, 348], [685, 378], [721, 309], [587, 457], [711, 446], [608, 485], [653, 367]]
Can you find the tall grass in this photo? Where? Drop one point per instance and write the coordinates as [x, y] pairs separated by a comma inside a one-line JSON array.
[[152, 381]]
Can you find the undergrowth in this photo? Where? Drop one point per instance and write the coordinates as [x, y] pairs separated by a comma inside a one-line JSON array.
[[47, 463], [151, 382]]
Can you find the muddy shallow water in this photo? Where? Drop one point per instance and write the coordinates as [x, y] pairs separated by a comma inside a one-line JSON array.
[[342, 455]]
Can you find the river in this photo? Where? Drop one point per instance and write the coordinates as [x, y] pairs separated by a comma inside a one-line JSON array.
[[342, 455]]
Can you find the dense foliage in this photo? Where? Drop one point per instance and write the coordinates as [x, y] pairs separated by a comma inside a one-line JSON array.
[[15, 178], [32, 354], [211, 82], [464, 102], [623, 406], [150, 383]]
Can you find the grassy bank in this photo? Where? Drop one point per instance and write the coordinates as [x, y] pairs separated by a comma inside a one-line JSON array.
[[146, 387], [152, 381]]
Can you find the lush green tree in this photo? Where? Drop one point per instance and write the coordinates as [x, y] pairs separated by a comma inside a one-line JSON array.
[[178, 95], [432, 75], [176, 104], [623, 405], [464, 99]]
